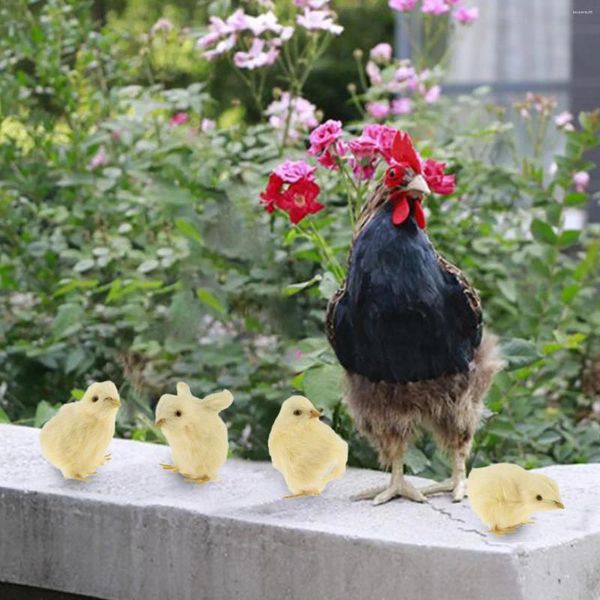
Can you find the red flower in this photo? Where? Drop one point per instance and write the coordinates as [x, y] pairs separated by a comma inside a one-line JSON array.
[[300, 200], [272, 197], [438, 182]]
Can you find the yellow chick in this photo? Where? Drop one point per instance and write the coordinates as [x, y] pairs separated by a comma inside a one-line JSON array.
[[195, 432], [504, 496], [307, 452], [76, 438]]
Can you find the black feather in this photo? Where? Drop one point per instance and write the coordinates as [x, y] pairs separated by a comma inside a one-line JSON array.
[[403, 317]]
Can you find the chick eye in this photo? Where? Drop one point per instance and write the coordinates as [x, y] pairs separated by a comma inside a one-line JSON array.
[[178, 413], [538, 498], [297, 412], [94, 398]]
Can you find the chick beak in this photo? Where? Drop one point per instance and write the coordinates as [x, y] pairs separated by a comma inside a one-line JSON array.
[[559, 504], [114, 401], [159, 423], [418, 184], [315, 414]]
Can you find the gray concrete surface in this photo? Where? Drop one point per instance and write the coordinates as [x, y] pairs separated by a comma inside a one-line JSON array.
[[138, 532]]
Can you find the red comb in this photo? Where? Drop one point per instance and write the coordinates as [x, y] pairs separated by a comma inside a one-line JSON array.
[[403, 151]]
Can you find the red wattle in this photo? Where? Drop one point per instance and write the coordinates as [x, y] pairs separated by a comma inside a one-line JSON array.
[[400, 212], [419, 214]]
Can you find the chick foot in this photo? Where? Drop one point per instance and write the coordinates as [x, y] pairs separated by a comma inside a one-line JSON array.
[[171, 468], [197, 480], [107, 457], [398, 487], [303, 493], [458, 487]]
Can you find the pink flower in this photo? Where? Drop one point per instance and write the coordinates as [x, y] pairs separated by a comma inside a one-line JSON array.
[[178, 119], [378, 110], [256, 57], [373, 73], [404, 73], [363, 170], [433, 94], [382, 53], [221, 48], [434, 7], [207, 125], [268, 22], [402, 5], [324, 136], [98, 159], [438, 182], [315, 20], [303, 115], [329, 158], [383, 135], [466, 15], [452, 2], [162, 25], [401, 106], [363, 147], [292, 171], [564, 118], [581, 180]]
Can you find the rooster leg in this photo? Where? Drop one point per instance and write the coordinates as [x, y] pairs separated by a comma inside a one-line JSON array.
[[457, 484], [399, 486]]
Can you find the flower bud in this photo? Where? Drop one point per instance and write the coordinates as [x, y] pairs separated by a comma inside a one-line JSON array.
[[358, 54]]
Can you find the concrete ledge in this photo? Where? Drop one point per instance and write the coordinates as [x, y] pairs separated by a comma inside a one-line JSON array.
[[137, 532]]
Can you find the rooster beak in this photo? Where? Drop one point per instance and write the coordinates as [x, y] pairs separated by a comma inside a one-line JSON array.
[[418, 184], [315, 414]]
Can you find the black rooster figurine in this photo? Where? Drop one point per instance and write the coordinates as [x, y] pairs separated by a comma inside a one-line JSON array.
[[406, 325]]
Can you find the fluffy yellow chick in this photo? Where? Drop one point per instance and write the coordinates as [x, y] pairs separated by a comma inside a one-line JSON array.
[[504, 496], [195, 432], [76, 438], [307, 452]]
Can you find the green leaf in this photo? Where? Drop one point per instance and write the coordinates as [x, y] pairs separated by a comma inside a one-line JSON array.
[[575, 199], [188, 229], [508, 289], [68, 320], [323, 385], [209, 299], [328, 285], [569, 292], [74, 359], [294, 288], [77, 393], [569, 237], [519, 352], [85, 264], [3, 416], [415, 459], [542, 232], [148, 265], [44, 412]]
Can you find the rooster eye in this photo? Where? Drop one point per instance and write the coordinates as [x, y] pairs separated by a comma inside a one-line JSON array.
[[297, 412], [94, 398], [392, 172], [178, 413], [538, 498]]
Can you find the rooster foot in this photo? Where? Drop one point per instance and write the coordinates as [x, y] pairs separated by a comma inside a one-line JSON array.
[[458, 487], [381, 495]]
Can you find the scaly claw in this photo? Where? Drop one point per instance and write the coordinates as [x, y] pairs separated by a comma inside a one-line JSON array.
[[403, 488]]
